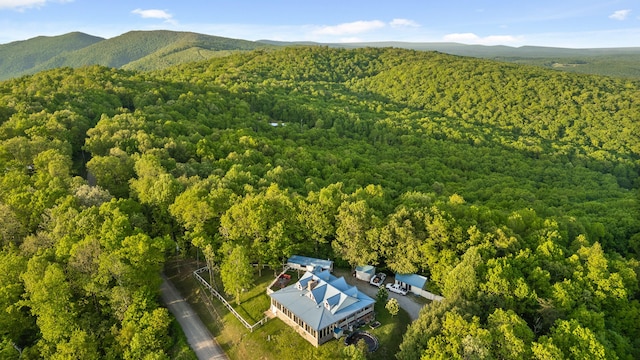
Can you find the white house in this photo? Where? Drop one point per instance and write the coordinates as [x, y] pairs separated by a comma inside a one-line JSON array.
[[318, 304]]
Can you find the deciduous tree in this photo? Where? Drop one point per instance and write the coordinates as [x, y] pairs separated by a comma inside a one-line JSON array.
[[392, 306], [236, 272], [356, 233]]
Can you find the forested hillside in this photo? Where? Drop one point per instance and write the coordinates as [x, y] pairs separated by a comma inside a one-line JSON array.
[[513, 188], [136, 45], [159, 49], [20, 57], [135, 50], [618, 62]]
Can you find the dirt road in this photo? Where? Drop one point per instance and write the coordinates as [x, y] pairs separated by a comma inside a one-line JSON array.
[[198, 336]]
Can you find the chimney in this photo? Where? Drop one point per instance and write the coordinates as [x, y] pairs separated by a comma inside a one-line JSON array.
[[312, 284]]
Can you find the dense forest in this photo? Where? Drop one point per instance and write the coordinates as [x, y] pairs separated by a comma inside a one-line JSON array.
[[159, 49], [514, 189], [22, 57], [134, 50], [617, 62]]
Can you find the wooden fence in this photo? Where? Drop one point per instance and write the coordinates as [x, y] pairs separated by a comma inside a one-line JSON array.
[[213, 291]]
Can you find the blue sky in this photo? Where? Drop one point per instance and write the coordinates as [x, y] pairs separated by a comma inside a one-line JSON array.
[[570, 23]]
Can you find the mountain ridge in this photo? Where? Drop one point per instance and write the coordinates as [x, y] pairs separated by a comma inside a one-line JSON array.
[[158, 49], [452, 45], [620, 62], [123, 51], [19, 57]]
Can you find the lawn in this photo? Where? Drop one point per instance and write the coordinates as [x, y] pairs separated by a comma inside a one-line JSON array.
[[390, 333], [274, 340]]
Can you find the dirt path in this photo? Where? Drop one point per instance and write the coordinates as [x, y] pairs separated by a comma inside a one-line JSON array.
[[198, 336]]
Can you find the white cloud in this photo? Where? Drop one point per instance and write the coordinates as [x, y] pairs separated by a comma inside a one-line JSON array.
[[403, 23], [471, 38], [353, 39], [461, 37], [620, 14], [153, 14], [20, 4], [26, 4], [356, 27]]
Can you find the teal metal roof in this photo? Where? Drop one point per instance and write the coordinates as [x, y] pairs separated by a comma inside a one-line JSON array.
[[330, 301], [369, 269], [334, 300], [306, 261], [340, 284], [412, 279]]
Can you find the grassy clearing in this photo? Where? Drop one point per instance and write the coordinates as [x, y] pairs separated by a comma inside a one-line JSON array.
[[274, 340], [389, 333]]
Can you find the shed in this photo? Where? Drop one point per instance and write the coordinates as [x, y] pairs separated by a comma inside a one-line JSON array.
[[411, 280], [415, 283], [304, 263], [365, 272]]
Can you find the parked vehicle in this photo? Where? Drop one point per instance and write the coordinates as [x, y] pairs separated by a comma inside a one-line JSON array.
[[378, 279], [396, 288]]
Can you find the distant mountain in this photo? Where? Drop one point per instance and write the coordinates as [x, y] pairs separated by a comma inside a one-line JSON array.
[[138, 50], [448, 48], [484, 51], [151, 50], [623, 62], [145, 47], [20, 57]]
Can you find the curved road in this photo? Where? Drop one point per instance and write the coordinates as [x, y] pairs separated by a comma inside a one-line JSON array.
[[198, 336]]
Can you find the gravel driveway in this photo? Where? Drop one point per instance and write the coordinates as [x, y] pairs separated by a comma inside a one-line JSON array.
[[405, 301], [198, 336]]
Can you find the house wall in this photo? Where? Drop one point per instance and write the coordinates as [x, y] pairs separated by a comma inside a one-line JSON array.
[[296, 323], [326, 334], [300, 267], [321, 336], [361, 275], [297, 266], [404, 285], [364, 312], [421, 292], [355, 317]]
